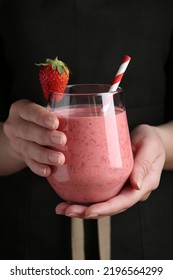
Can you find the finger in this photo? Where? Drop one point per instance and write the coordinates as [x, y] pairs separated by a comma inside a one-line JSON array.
[[35, 133], [35, 113], [148, 153], [38, 153], [70, 209], [61, 207], [124, 200], [95, 211], [38, 168], [146, 196]]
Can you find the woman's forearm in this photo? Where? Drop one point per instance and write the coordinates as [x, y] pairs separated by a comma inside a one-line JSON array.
[[9, 162], [165, 133]]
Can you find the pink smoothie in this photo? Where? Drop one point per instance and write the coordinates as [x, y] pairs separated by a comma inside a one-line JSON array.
[[98, 155]]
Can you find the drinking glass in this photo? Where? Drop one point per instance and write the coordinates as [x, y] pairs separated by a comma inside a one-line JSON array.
[[98, 154]]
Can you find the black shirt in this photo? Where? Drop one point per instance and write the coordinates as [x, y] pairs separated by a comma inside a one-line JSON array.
[[91, 37]]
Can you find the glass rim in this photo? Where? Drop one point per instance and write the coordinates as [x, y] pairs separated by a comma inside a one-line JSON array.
[[84, 85]]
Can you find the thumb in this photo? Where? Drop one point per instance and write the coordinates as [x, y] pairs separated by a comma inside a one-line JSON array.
[[149, 157], [139, 172], [148, 164], [146, 153]]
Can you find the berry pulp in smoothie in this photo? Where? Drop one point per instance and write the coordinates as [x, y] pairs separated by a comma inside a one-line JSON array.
[[98, 155]]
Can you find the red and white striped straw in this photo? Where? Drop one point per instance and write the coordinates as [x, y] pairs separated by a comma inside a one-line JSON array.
[[120, 73], [116, 82]]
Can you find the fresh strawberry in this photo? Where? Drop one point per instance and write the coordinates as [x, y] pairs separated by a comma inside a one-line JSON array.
[[53, 76]]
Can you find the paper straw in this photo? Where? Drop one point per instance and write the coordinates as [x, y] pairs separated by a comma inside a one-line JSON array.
[[116, 81], [120, 73]]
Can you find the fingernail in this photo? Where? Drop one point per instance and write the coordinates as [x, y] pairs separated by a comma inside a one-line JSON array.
[[43, 171], [92, 216], [139, 181], [72, 215], [59, 211], [56, 139], [50, 122], [54, 158]]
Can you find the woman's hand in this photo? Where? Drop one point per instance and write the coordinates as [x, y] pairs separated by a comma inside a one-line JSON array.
[[149, 159], [29, 130]]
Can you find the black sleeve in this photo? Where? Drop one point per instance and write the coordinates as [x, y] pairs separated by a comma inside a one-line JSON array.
[[169, 85], [5, 77]]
